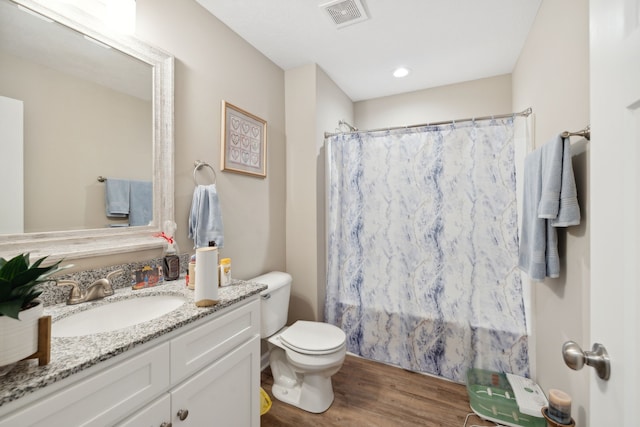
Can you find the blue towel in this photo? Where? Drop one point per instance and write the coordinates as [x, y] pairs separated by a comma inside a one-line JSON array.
[[205, 220], [551, 178], [117, 197], [568, 208], [140, 202], [549, 201]]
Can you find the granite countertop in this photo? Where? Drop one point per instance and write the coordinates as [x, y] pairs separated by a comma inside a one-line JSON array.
[[70, 355]]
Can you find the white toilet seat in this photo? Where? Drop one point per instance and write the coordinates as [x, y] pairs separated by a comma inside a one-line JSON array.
[[310, 362], [313, 338]]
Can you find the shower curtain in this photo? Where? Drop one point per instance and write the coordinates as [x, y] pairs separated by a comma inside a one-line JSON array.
[[422, 248]]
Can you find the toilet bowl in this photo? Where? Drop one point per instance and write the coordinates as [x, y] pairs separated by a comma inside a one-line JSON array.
[[303, 356]]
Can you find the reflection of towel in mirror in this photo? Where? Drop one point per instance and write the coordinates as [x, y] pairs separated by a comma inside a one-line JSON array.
[[140, 202], [549, 201], [117, 197], [205, 220]]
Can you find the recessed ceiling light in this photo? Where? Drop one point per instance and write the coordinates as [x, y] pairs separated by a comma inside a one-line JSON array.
[[401, 72]]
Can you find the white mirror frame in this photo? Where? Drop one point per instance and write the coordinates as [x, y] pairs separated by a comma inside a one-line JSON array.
[[99, 242]]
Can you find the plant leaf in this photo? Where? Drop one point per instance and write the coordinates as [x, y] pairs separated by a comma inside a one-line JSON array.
[[11, 308]]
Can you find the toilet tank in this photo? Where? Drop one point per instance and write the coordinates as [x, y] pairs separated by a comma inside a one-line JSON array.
[[274, 306]]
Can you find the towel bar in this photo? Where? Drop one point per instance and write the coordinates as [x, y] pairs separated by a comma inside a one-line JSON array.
[[586, 133], [198, 164]]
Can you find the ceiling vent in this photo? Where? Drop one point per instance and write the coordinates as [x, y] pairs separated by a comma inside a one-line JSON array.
[[345, 12]]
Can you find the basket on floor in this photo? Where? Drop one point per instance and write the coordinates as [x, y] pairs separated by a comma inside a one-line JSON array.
[[265, 402]]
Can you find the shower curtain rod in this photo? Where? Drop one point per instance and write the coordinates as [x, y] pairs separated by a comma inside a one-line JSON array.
[[524, 113]]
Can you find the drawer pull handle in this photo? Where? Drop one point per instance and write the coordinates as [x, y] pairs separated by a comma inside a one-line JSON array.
[[183, 414], [165, 424]]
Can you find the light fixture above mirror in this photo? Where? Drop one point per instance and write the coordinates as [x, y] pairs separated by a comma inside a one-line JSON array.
[[72, 244]]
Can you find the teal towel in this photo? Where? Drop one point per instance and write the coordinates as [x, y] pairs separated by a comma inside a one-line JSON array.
[[140, 202], [205, 220], [568, 207], [117, 197], [549, 201]]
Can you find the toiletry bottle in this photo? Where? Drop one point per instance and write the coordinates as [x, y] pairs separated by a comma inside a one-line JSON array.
[[225, 271], [171, 260], [192, 273], [171, 264], [212, 244]]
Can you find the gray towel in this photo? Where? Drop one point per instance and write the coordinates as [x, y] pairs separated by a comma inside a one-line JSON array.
[[205, 220], [140, 203], [568, 209], [117, 197], [549, 201], [551, 178]]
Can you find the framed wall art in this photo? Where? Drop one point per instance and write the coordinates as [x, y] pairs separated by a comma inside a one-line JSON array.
[[243, 142]]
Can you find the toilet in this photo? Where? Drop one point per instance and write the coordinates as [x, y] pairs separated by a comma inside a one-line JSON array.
[[303, 356]]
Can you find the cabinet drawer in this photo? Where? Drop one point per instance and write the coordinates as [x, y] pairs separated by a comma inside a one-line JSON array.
[[102, 398], [199, 347]]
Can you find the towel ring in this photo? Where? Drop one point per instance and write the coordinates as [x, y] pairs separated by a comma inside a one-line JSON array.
[[198, 164]]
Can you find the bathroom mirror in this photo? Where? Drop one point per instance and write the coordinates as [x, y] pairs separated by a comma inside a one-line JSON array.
[[133, 140]]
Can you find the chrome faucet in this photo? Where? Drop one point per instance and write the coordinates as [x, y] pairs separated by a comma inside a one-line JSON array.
[[99, 289]]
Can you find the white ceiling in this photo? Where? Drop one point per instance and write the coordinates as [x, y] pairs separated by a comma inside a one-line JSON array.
[[440, 41]]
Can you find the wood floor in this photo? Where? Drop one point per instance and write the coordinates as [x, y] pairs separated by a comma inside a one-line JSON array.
[[372, 394]]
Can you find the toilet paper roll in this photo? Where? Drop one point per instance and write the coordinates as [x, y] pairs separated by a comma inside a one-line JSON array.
[[206, 292]]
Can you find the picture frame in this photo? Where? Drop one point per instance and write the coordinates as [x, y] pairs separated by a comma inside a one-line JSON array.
[[243, 142]]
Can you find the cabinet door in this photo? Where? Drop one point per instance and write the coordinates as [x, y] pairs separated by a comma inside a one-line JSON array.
[[226, 394], [152, 415]]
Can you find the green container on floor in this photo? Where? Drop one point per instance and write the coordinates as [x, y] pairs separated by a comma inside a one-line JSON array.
[[492, 398]]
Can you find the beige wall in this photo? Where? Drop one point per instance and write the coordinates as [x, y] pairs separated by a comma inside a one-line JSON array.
[[332, 106], [552, 77], [107, 132], [302, 220], [211, 64], [313, 104], [462, 100]]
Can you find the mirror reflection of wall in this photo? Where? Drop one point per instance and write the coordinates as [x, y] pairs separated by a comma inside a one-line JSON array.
[[11, 173], [87, 113]]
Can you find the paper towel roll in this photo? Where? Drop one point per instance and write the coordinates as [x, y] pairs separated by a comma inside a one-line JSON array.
[[206, 293]]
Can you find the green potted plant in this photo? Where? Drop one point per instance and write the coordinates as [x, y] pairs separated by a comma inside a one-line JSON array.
[[19, 308]]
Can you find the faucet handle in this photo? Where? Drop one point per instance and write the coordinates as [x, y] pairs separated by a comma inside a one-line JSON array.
[[75, 296], [113, 273], [108, 287]]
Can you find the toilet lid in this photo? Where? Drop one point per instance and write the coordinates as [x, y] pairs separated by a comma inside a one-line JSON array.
[[313, 337]]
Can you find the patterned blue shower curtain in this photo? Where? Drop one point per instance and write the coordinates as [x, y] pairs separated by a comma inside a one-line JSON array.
[[423, 248]]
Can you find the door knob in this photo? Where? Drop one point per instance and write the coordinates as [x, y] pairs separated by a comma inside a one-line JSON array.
[[183, 414], [597, 358]]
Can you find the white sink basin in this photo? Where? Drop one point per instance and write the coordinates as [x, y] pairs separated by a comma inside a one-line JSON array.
[[116, 315]]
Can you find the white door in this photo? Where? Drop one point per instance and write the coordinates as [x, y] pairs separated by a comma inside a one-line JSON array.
[[615, 211]]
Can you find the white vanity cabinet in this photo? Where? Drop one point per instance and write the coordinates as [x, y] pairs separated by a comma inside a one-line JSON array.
[[215, 375], [205, 374]]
